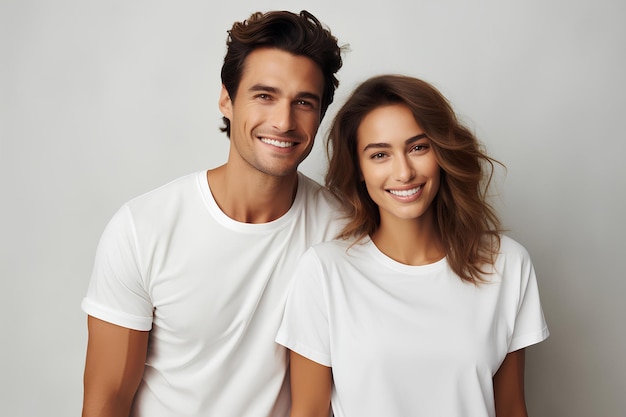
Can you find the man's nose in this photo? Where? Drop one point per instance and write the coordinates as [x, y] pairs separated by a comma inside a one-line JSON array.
[[283, 117]]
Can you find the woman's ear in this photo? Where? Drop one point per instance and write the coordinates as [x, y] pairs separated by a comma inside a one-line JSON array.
[[225, 103]]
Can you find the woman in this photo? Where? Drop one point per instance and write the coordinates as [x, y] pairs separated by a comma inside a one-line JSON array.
[[420, 307]]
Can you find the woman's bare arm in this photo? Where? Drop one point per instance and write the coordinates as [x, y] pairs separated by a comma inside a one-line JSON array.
[[311, 385], [508, 386]]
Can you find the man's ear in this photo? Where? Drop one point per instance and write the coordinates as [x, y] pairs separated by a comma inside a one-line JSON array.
[[225, 103]]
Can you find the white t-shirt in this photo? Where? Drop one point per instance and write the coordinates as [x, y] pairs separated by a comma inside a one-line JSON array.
[[211, 291], [409, 340]]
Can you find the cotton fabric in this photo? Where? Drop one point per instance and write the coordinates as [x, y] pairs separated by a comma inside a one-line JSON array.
[[410, 340], [210, 290]]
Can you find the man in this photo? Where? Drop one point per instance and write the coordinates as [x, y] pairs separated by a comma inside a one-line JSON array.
[[190, 280]]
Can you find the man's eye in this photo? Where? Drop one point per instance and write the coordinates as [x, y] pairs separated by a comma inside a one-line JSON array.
[[304, 103]]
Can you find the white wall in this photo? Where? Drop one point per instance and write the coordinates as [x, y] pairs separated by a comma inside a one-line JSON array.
[[101, 101]]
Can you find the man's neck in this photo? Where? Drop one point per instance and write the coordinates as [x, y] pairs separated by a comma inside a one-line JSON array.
[[252, 197]]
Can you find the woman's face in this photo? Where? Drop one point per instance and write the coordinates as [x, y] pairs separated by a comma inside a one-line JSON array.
[[397, 163]]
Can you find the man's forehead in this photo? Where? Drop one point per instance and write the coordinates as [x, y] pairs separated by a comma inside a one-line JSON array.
[[282, 71]]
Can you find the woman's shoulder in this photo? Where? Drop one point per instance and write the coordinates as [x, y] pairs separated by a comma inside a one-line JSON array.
[[511, 247], [338, 251], [513, 261]]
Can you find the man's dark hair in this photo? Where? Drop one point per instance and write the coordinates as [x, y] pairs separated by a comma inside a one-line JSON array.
[[299, 34]]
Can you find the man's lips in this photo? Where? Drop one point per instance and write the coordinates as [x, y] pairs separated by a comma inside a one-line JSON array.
[[278, 143]]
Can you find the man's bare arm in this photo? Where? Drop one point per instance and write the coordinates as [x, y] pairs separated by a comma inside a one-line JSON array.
[[116, 357]]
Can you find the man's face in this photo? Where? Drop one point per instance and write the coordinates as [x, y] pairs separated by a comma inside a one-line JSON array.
[[276, 111]]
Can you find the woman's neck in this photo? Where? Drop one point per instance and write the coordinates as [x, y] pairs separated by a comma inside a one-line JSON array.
[[411, 242]]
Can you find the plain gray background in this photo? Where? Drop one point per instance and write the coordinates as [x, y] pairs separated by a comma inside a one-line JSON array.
[[102, 101]]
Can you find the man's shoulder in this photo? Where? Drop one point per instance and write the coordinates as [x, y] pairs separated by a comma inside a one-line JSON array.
[[316, 195], [334, 248], [161, 206], [308, 183], [171, 191]]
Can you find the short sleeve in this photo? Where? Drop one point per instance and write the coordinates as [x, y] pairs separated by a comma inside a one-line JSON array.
[[304, 328], [117, 292], [530, 324]]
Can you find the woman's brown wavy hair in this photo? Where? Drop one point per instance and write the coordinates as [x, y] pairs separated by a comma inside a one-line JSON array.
[[467, 224]]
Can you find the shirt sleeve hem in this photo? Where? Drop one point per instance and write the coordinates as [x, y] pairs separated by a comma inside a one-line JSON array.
[[115, 317], [529, 339], [307, 352]]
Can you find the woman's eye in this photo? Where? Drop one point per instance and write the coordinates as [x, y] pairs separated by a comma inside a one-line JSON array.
[[378, 155]]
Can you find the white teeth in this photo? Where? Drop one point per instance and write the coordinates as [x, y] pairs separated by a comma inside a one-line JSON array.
[[405, 193], [277, 143]]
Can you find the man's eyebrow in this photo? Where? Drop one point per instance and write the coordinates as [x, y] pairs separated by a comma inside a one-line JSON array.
[[261, 87], [384, 145], [269, 89]]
